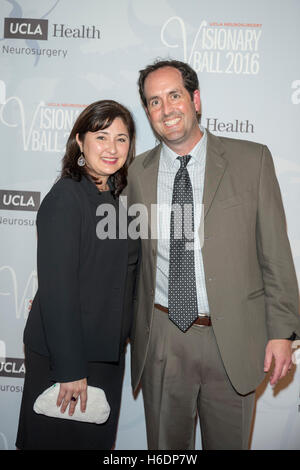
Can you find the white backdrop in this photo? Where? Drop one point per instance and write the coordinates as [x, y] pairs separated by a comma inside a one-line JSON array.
[[56, 56]]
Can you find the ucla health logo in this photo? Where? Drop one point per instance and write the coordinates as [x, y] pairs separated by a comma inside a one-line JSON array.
[[33, 30], [12, 367], [19, 200], [26, 28]]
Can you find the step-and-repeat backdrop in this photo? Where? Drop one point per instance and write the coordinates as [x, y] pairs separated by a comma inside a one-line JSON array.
[[57, 56]]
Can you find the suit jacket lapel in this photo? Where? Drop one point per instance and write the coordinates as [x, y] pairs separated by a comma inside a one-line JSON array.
[[214, 170], [148, 182]]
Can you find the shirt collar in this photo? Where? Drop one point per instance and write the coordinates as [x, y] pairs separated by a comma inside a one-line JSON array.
[[198, 153]]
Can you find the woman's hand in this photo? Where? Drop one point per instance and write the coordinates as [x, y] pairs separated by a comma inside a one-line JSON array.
[[69, 390]]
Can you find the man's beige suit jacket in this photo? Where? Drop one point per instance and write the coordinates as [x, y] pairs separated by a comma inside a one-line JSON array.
[[250, 277]]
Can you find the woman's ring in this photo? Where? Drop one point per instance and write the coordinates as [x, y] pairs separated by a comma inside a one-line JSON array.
[[73, 399]]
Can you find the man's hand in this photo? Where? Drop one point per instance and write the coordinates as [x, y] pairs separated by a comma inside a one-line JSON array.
[[281, 350]]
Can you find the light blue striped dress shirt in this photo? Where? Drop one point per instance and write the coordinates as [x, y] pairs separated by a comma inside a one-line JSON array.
[[168, 168]]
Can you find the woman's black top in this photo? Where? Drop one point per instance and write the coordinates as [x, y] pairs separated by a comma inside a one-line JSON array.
[[82, 310]]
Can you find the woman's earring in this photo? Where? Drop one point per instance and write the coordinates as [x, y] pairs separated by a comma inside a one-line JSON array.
[[81, 160]]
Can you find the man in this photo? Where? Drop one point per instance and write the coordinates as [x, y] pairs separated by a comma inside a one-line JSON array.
[[207, 326]]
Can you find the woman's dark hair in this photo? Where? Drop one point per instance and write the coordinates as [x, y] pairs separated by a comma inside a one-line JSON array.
[[189, 76], [98, 116]]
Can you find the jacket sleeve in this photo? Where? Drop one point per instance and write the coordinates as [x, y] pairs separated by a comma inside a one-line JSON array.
[[58, 226], [274, 253]]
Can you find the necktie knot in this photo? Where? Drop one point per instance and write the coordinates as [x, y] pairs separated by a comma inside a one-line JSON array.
[[184, 160]]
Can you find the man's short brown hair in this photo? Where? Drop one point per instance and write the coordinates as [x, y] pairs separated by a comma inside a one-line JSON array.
[[189, 76]]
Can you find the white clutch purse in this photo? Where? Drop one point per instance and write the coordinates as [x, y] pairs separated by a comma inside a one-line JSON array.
[[97, 408]]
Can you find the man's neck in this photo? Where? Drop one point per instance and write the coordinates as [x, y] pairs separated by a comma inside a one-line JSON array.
[[184, 148]]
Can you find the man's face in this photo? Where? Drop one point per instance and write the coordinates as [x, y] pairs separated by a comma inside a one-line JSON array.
[[171, 111]]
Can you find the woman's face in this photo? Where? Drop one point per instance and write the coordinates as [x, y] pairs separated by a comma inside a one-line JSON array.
[[105, 151]]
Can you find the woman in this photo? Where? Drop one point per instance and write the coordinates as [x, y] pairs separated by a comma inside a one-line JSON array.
[[81, 315]]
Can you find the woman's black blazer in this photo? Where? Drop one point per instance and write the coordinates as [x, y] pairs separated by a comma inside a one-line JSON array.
[[76, 315]]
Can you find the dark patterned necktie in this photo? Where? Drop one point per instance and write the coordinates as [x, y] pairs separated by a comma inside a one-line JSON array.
[[183, 309]]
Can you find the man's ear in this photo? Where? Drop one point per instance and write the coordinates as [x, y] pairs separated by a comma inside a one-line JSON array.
[[197, 101]]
